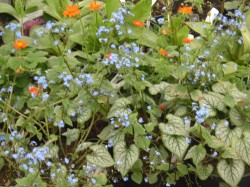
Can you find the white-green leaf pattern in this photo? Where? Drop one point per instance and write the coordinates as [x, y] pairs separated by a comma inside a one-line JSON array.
[[175, 126], [181, 111], [158, 88], [203, 171], [85, 115], [242, 147], [223, 132], [212, 101], [231, 171], [119, 107], [236, 118], [197, 153], [100, 156], [125, 157], [229, 152], [72, 135], [176, 144]]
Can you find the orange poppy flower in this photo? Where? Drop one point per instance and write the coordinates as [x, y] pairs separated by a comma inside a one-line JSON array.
[[71, 10], [163, 52], [185, 10], [94, 6], [187, 40], [20, 44], [34, 90], [138, 23]]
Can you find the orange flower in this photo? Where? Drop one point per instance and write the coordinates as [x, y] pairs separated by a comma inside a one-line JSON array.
[[71, 10], [162, 107], [163, 52], [165, 31], [138, 23], [108, 55], [187, 40], [19, 70], [94, 6], [185, 10], [34, 91], [20, 44]]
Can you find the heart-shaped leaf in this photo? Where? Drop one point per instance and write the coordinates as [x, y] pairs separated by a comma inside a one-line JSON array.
[[203, 171], [176, 144], [231, 172], [225, 133], [197, 153], [100, 156], [175, 126], [125, 157], [242, 147]]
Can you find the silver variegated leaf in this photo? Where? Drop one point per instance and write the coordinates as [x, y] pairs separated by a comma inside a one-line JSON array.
[[72, 135], [236, 117], [242, 147], [197, 153], [125, 157], [175, 144], [158, 88], [226, 134], [181, 111], [231, 171], [85, 115], [100, 156], [229, 152], [203, 171], [175, 126]]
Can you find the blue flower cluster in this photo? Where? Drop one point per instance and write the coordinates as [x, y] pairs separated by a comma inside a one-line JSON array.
[[201, 114]]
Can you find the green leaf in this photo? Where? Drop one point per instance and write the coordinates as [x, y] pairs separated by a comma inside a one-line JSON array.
[[125, 157], [85, 116], [159, 88], [152, 178], [142, 13], [175, 144], [198, 27], [119, 107], [236, 117], [229, 152], [138, 128], [229, 101], [226, 134], [83, 146], [242, 147], [30, 180], [196, 95], [100, 156], [229, 68], [181, 110], [149, 127], [182, 168], [246, 38], [204, 171], [142, 142], [72, 135], [229, 5], [107, 132], [137, 177], [101, 178], [8, 9], [231, 171], [175, 126], [197, 153], [35, 58], [112, 6], [179, 73]]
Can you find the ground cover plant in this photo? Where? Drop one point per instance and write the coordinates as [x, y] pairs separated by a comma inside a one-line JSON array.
[[98, 94]]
